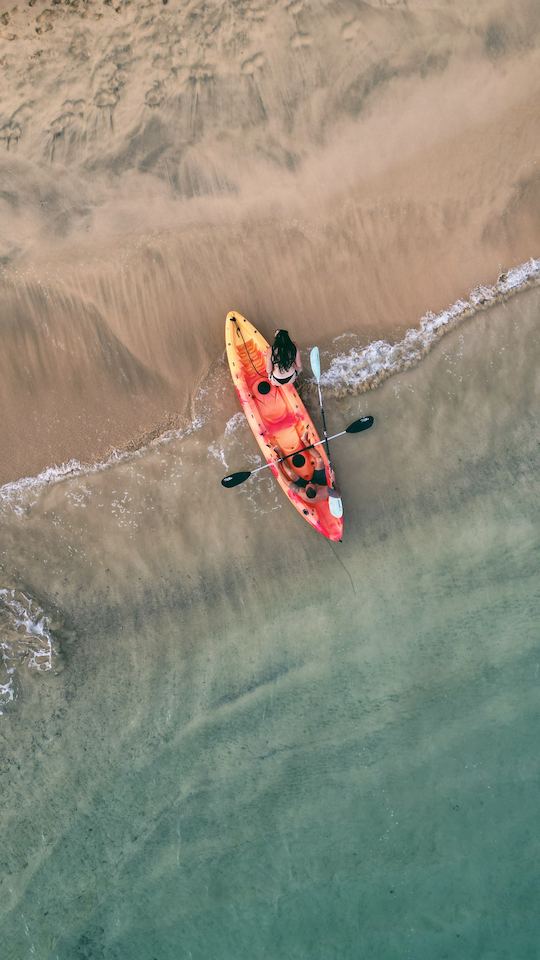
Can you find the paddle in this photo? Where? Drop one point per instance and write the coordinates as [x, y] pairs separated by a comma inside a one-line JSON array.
[[335, 503], [234, 479]]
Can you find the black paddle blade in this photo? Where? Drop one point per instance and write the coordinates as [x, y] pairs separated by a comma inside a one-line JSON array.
[[364, 423], [235, 478]]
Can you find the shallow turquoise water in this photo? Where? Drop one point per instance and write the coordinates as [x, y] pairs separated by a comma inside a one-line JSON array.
[[251, 755]]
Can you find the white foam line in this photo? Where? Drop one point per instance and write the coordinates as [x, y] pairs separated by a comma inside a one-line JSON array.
[[14, 494], [359, 370], [351, 372]]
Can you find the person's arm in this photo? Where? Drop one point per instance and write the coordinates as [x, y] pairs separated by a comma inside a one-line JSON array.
[[269, 366], [298, 361]]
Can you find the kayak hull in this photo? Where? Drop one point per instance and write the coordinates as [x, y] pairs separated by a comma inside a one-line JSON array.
[[278, 418]]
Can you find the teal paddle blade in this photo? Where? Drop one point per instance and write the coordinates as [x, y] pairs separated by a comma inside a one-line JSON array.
[[315, 362]]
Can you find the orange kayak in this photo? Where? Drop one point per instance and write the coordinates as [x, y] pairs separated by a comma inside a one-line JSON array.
[[278, 418]]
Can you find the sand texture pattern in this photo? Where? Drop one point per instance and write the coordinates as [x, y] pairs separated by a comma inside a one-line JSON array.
[[327, 167]]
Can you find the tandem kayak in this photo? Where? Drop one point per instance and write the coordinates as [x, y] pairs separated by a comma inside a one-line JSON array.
[[278, 418]]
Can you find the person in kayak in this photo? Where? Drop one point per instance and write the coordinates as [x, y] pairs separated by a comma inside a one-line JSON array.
[[283, 362], [316, 488]]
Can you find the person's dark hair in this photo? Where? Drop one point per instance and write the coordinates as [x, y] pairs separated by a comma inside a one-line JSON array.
[[283, 351]]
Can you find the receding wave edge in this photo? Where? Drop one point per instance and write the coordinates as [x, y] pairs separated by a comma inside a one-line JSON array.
[[352, 372]]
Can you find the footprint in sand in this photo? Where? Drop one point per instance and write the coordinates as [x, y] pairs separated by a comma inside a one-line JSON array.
[[121, 55], [23, 113], [295, 7], [66, 125], [201, 73], [106, 98], [155, 96], [110, 81], [301, 41], [350, 30], [78, 48], [162, 60], [10, 133], [44, 21], [77, 106], [170, 58], [61, 123], [253, 64], [57, 130], [73, 110], [257, 15]]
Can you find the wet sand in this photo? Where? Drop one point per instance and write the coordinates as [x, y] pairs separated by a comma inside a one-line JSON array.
[[330, 170]]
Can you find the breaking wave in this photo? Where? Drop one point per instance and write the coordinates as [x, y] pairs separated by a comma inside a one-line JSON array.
[[363, 368]]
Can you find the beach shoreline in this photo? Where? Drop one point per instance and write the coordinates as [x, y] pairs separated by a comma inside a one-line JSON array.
[[224, 735], [360, 368], [333, 172]]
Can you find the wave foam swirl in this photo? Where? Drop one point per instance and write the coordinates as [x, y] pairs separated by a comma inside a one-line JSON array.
[[25, 637]]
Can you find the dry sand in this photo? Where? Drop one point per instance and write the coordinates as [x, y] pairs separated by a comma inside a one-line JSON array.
[[327, 167]]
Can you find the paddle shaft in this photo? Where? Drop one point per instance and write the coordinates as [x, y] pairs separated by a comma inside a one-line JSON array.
[[356, 427], [302, 450], [336, 506], [325, 431], [315, 361]]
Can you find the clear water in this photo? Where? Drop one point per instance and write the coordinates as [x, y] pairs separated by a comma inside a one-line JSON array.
[[253, 744]]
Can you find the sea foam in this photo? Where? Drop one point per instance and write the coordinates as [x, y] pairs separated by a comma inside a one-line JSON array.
[[351, 372], [25, 637], [360, 369], [16, 494]]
